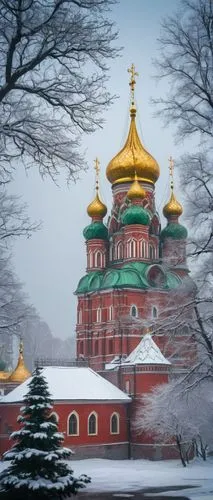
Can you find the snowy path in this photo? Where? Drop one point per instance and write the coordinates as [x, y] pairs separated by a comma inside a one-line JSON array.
[[133, 475]]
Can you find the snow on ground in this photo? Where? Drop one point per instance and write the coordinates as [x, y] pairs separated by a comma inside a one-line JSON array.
[[133, 475]]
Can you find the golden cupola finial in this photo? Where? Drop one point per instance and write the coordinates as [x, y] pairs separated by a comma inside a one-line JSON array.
[[97, 208], [21, 372], [133, 157], [136, 191], [173, 208]]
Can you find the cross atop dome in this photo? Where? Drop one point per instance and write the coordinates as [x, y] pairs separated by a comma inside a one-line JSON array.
[[171, 171], [132, 82]]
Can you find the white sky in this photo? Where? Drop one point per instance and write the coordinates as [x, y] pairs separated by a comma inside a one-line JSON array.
[[53, 260]]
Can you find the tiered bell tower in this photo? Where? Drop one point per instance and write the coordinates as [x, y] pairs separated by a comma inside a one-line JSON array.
[[133, 268]]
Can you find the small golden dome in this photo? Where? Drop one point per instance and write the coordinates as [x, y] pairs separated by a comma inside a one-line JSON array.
[[136, 191], [97, 208], [173, 207], [132, 158], [4, 376], [21, 372]]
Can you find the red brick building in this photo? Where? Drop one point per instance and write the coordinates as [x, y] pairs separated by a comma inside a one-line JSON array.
[[136, 278]]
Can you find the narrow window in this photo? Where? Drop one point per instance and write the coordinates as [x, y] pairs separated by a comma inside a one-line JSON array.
[[114, 423], [99, 315], [134, 312], [127, 386], [81, 347], [98, 259], [80, 316], [110, 313], [92, 424], [120, 250], [73, 424], [151, 252], [110, 346], [154, 312]]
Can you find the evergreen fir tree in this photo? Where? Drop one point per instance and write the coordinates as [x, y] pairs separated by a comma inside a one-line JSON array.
[[37, 468]]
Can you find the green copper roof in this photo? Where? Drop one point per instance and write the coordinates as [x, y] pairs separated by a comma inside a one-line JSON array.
[[133, 275], [135, 215], [174, 231], [96, 230]]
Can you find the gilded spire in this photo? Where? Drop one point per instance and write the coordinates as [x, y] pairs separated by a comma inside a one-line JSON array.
[[96, 208], [173, 207], [21, 372], [136, 191], [132, 83], [133, 157]]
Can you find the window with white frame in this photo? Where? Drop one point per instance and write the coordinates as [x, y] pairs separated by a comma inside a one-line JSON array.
[[115, 423], [110, 313], [73, 424], [99, 315], [120, 250], [93, 424], [80, 316], [151, 252], [98, 259]]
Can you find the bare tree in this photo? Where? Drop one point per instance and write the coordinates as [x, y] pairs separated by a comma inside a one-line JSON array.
[[186, 61], [53, 76], [14, 221], [170, 412]]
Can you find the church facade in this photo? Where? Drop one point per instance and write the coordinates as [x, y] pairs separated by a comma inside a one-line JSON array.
[[132, 310]]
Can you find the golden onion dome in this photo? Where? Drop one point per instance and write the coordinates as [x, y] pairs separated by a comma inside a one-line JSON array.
[[21, 372], [97, 208], [136, 191], [173, 207], [132, 158]]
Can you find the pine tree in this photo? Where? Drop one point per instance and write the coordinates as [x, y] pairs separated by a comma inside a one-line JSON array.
[[37, 469]]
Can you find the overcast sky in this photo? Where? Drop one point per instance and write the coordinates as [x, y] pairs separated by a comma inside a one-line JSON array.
[[53, 260]]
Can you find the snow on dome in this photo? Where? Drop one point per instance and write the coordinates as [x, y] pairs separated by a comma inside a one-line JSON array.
[[146, 353], [72, 383]]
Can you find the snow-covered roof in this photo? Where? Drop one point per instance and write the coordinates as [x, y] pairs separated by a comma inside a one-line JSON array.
[[72, 383], [146, 353]]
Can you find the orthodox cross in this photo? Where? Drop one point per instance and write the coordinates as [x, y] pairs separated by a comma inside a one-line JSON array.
[[171, 171], [132, 82], [97, 170]]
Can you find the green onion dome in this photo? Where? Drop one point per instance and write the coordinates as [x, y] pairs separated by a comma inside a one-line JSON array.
[[95, 230], [174, 231], [135, 215]]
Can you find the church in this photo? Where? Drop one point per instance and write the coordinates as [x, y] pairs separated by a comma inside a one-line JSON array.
[[127, 338]]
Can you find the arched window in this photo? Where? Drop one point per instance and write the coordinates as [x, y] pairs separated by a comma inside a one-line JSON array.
[[132, 248], [93, 424], [98, 259], [154, 312], [53, 417], [99, 315], [96, 348], [134, 311], [120, 250], [151, 252], [114, 423], [110, 346], [73, 424], [110, 313]]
